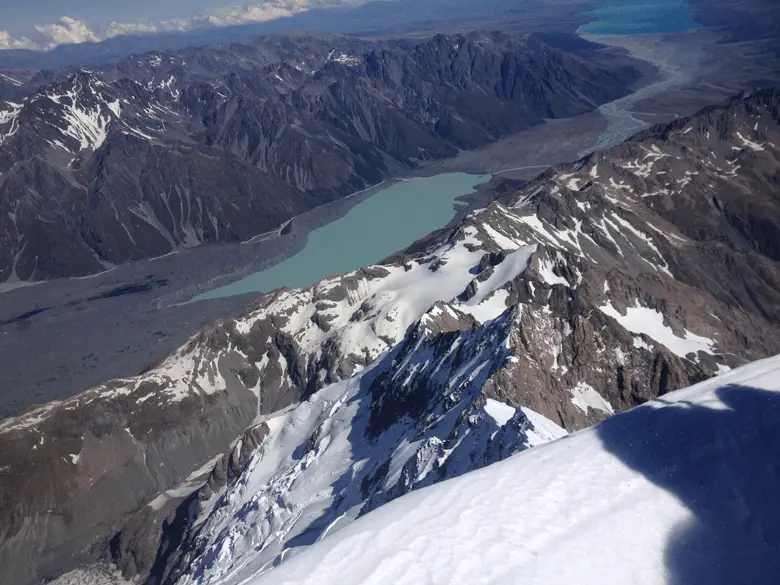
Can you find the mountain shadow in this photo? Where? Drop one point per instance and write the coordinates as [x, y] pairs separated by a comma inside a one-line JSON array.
[[723, 463]]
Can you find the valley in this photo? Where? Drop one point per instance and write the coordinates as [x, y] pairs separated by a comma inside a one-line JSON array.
[[154, 321], [592, 289], [270, 287], [681, 73]]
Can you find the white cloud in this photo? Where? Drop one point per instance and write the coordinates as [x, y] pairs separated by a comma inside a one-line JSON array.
[[67, 31], [9, 42], [71, 31], [117, 29], [271, 10]]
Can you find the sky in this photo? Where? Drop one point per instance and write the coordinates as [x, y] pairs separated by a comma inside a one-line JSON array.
[[45, 24]]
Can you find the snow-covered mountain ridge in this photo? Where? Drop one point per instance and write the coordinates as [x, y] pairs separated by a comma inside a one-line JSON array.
[[680, 490], [414, 418], [584, 293]]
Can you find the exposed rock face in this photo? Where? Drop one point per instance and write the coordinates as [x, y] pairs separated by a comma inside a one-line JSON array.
[[598, 286], [165, 151], [414, 418], [150, 540]]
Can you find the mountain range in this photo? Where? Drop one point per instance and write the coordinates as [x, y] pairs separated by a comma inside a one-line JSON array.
[[373, 19], [593, 289], [165, 151]]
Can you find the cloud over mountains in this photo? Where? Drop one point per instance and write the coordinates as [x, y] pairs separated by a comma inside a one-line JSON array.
[[72, 31]]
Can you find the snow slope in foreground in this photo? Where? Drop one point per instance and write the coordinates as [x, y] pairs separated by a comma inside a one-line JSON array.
[[683, 490]]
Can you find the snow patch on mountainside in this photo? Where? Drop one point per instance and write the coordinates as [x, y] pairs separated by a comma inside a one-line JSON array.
[[499, 412], [585, 396], [650, 322], [85, 113], [9, 114]]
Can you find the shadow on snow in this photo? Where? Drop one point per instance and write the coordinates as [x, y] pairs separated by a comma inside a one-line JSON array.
[[724, 466]]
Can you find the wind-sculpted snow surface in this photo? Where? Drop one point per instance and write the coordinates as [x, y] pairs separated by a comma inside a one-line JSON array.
[[678, 491]]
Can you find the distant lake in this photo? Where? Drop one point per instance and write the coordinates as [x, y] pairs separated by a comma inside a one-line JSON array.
[[383, 224], [635, 17]]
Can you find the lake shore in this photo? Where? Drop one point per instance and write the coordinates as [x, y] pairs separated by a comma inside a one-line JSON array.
[[142, 300], [372, 229]]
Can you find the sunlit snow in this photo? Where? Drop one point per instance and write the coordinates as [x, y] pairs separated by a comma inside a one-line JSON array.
[[640, 319]]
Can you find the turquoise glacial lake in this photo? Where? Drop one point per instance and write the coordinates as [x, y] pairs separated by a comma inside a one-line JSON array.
[[635, 17], [383, 224]]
